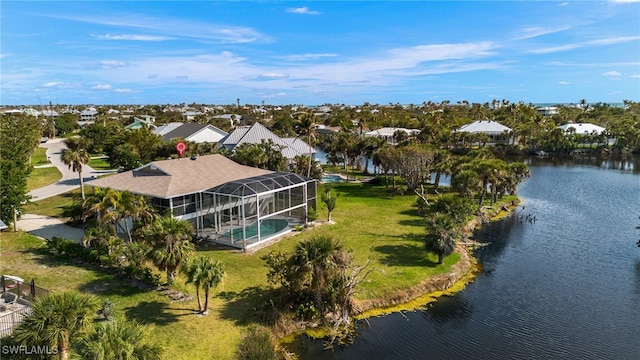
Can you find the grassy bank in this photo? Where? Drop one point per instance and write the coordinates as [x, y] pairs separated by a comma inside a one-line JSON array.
[[377, 226]]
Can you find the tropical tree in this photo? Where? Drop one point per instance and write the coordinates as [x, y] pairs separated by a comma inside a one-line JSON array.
[[329, 198], [441, 235], [102, 237], [19, 138], [120, 340], [170, 239], [75, 159], [305, 127], [56, 320]]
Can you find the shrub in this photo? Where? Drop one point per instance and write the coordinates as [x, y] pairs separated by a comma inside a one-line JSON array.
[[258, 344]]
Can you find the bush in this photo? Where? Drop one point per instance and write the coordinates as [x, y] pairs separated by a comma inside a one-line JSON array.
[[258, 344]]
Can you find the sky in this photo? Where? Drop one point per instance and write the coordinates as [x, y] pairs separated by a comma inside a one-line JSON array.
[[318, 52]]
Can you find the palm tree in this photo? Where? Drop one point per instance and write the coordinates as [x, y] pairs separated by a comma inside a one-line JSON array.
[[206, 273], [120, 340], [75, 158], [315, 262], [306, 127], [329, 199], [441, 235], [56, 320], [102, 237], [211, 275], [171, 242]]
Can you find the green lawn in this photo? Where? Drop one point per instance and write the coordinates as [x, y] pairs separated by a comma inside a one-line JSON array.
[[376, 226], [42, 177], [99, 164], [39, 157]]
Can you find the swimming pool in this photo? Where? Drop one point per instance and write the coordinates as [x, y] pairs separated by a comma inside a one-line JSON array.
[[331, 178], [268, 227]]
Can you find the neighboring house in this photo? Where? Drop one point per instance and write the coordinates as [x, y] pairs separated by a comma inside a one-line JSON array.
[[257, 133], [31, 112], [226, 202], [548, 111], [388, 132], [88, 114], [138, 123], [194, 132], [497, 133], [191, 115], [165, 128], [50, 113], [326, 130], [234, 119], [582, 128]]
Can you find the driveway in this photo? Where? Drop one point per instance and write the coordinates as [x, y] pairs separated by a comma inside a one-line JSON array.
[[45, 226], [69, 180]]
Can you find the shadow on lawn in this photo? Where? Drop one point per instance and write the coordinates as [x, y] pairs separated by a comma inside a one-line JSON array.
[[154, 312], [251, 305], [404, 255]]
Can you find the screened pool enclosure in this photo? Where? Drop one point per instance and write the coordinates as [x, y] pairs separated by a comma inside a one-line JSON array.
[[247, 212]]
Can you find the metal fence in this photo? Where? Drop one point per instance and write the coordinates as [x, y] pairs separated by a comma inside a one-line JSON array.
[[15, 301], [11, 320]]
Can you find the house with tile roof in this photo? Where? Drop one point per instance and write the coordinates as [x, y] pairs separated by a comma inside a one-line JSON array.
[[258, 133], [228, 203]]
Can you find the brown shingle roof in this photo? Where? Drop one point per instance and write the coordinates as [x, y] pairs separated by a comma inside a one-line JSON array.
[[168, 178]]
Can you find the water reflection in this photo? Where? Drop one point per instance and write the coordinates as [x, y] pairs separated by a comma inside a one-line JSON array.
[[455, 309]]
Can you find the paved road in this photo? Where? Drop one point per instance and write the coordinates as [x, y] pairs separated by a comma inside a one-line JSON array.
[[45, 226], [70, 180]]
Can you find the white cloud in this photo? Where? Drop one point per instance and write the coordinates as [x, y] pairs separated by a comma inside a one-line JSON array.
[[303, 10], [612, 74], [536, 31], [133, 37], [52, 84], [59, 85], [273, 75], [3, 56], [101, 87], [305, 57], [624, 1], [564, 82], [123, 91], [111, 64], [167, 28], [606, 41], [635, 76]]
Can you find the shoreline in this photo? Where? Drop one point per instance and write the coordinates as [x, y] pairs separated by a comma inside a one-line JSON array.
[[424, 293]]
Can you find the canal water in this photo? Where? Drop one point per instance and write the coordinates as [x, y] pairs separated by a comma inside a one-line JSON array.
[[566, 286]]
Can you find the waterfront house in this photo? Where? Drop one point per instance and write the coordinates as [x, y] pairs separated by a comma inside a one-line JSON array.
[[258, 133], [582, 128], [496, 132], [228, 203]]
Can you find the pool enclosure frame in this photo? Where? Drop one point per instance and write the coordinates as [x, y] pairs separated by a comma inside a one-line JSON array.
[[241, 207]]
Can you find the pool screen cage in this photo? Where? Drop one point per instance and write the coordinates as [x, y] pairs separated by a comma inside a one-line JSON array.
[[250, 211]]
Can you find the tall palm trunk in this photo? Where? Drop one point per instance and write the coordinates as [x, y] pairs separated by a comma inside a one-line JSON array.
[[206, 301], [63, 347], [81, 183], [198, 297]]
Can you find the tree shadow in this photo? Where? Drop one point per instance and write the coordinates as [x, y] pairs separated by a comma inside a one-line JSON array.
[[154, 312], [110, 285], [405, 255], [251, 305]]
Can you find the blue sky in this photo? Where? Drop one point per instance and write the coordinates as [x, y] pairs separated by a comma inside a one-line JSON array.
[[285, 52]]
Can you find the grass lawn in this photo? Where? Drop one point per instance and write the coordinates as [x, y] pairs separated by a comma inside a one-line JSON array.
[[39, 157], [42, 177], [375, 225], [99, 164]]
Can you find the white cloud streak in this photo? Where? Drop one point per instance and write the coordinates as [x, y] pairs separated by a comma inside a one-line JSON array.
[[133, 37], [303, 10], [598, 42]]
